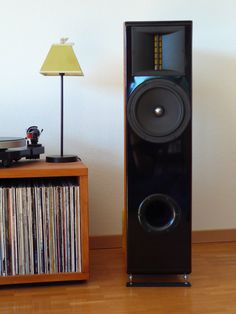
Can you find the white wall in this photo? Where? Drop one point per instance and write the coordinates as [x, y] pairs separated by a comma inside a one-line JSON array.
[[94, 103]]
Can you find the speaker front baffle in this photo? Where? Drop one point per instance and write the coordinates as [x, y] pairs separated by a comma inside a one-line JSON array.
[[158, 151]]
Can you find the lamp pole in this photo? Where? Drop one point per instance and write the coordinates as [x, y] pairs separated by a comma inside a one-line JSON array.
[[62, 157], [62, 111]]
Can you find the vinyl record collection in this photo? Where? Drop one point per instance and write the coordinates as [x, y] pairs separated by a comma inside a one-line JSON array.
[[40, 228]]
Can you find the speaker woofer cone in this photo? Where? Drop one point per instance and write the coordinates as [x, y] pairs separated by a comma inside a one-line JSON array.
[[158, 110], [158, 213]]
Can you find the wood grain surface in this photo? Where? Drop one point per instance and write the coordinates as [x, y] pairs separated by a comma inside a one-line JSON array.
[[213, 288], [42, 169]]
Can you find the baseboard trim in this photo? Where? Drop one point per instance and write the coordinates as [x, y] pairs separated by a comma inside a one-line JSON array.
[[222, 235], [105, 242], [200, 236]]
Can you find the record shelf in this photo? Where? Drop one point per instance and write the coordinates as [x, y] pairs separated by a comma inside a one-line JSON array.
[[43, 172]]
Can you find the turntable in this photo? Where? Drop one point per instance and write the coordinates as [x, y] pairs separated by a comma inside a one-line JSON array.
[[13, 149]]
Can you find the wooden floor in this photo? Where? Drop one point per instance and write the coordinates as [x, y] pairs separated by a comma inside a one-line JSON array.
[[213, 288]]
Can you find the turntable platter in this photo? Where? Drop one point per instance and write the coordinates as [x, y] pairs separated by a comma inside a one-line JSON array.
[[11, 142]]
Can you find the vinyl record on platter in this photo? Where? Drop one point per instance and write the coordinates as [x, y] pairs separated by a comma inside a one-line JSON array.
[[11, 142]]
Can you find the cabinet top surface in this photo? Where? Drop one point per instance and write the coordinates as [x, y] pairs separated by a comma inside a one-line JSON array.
[[40, 168]]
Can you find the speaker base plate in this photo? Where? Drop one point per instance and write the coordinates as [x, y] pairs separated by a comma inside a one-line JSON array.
[[159, 284], [163, 283]]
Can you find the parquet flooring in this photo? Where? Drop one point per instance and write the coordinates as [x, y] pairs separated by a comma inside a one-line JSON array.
[[213, 288]]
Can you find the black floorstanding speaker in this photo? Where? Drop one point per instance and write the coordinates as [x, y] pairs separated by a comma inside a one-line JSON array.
[[158, 146]]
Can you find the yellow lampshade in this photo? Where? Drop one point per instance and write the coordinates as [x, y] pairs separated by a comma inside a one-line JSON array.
[[61, 59]]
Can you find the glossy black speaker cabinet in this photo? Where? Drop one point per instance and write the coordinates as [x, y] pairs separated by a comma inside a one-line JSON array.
[[158, 141]]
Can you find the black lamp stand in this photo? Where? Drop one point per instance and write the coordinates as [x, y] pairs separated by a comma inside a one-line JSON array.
[[62, 158]]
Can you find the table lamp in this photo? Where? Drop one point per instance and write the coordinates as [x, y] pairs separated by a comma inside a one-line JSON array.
[[60, 61]]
